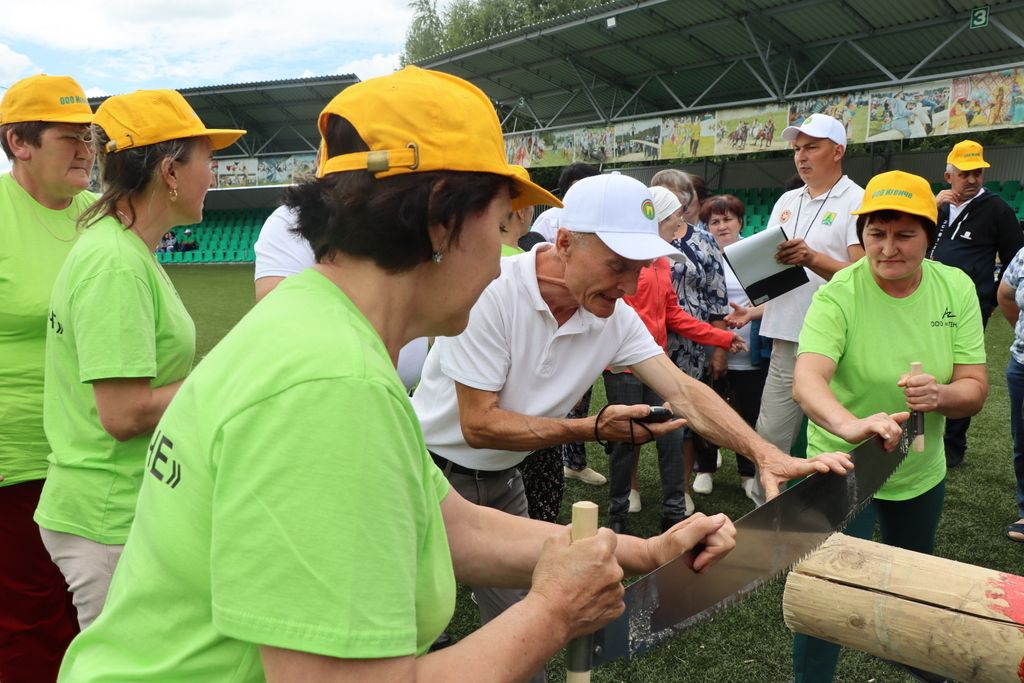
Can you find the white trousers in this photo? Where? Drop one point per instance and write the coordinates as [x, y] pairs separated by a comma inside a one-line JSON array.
[[87, 566]]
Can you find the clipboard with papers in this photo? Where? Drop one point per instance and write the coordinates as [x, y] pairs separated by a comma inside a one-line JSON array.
[[753, 261]]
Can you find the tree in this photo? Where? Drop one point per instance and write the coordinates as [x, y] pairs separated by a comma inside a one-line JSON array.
[[464, 22], [424, 37]]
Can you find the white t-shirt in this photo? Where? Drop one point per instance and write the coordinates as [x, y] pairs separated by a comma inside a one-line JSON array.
[[514, 346], [734, 292], [547, 223], [827, 226], [280, 252]]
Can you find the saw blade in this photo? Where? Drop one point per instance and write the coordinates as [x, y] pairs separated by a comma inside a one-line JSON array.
[[769, 540]]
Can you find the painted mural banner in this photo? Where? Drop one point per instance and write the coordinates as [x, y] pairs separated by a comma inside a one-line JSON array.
[[955, 106]]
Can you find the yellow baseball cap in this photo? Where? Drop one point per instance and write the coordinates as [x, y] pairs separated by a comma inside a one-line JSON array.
[[522, 176], [146, 117], [966, 156], [899, 191], [52, 99], [415, 121]]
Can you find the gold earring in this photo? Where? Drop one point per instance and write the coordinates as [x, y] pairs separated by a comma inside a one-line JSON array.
[[173, 194]]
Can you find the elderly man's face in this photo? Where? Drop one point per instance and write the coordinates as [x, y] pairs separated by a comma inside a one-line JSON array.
[[966, 184], [595, 275]]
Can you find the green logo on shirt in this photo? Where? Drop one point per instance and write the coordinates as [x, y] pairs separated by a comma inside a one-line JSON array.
[[829, 217]]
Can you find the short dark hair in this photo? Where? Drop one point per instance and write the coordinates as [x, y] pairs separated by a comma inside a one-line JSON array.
[[890, 215], [722, 204], [127, 173], [30, 132], [572, 173], [530, 240], [700, 188], [384, 219]]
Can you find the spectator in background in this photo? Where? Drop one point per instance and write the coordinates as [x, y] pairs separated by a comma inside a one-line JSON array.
[[120, 340], [975, 227], [517, 223], [699, 281], [547, 222], [822, 238], [188, 242], [165, 243], [700, 194], [171, 244], [742, 384], [1011, 301], [44, 131]]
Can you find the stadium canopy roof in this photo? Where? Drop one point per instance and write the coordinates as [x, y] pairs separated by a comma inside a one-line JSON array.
[[646, 58], [279, 115]]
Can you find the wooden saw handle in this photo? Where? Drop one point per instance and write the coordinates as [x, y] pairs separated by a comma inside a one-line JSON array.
[[580, 651]]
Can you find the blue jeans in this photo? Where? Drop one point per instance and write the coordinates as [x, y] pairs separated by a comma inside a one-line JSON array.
[[626, 389], [1015, 384]]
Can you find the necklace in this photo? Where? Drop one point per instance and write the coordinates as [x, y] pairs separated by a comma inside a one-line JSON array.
[[66, 212]]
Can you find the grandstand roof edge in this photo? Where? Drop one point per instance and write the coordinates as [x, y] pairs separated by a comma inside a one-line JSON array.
[[560, 22], [256, 85]]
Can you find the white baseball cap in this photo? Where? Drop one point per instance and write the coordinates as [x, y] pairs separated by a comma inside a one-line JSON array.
[[620, 211], [818, 126]]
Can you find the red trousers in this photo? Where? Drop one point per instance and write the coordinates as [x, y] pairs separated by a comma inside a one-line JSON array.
[[37, 618]]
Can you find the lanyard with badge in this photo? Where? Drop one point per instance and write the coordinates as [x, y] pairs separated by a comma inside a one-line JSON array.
[[799, 212]]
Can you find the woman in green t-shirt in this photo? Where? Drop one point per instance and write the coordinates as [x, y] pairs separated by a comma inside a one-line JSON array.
[[291, 525], [119, 340], [863, 330]]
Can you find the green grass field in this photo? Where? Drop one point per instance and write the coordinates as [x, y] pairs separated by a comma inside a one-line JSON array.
[[748, 642]]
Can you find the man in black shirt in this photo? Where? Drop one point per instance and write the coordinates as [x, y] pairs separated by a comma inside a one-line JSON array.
[[974, 227]]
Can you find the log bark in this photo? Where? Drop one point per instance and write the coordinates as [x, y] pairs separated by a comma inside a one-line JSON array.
[[954, 619]]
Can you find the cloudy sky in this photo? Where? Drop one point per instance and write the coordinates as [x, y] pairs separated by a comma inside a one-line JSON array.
[[116, 46]]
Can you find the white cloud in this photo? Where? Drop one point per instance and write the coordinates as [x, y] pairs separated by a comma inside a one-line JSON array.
[[13, 66], [377, 65], [96, 92], [200, 41], [5, 165]]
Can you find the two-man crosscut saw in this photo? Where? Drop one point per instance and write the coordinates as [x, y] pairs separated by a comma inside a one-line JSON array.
[[769, 540]]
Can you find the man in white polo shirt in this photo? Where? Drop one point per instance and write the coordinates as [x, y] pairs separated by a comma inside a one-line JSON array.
[[823, 239], [540, 335]]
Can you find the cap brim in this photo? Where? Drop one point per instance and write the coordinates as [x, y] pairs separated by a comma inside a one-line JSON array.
[[789, 133], [530, 194], [972, 165], [222, 137], [637, 246]]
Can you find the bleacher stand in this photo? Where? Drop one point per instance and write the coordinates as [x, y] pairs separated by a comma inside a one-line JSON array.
[[222, 237]]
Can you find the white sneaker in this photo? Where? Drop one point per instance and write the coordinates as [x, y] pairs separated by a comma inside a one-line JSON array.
[[690, 509], [719, 460], [634, 501], [702, 483], [586, 475]]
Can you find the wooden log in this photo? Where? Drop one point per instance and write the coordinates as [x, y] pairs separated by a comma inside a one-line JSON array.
[[954, 619]]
